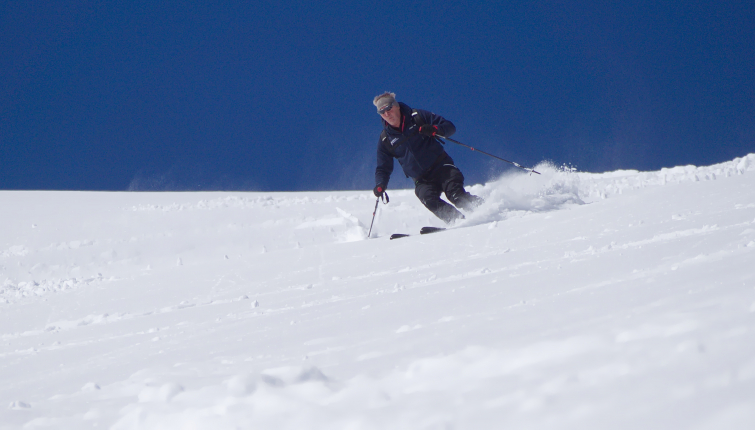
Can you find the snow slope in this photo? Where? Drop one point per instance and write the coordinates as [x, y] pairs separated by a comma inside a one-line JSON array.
[[570, 300]]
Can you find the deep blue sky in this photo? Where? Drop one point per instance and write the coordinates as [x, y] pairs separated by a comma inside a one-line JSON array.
[[276, 95]]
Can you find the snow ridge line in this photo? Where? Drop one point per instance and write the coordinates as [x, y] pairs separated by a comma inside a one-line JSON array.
[[230, 202], [602, 185]]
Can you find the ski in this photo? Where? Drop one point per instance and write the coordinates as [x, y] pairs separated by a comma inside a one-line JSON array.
[[428, 230], [423, 230]]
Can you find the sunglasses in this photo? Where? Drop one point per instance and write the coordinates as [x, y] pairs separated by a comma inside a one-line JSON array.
[[387, 108]]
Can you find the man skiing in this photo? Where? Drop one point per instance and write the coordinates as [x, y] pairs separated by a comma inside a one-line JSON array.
[[410, 136]]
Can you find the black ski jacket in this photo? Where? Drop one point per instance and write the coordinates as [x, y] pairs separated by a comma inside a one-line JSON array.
[[418, 154]]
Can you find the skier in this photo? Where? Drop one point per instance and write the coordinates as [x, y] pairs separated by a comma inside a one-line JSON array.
[[409, 135]]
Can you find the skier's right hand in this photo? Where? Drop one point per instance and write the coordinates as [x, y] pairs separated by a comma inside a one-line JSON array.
[[379, 190]]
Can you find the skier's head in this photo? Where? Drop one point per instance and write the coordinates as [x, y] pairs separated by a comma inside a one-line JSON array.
[[384, 100], [388, 108]]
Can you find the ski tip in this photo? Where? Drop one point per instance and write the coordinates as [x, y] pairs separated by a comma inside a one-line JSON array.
[[428, 230], [424, 230]]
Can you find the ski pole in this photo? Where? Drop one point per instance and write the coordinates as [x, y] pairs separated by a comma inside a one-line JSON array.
[[489, 155], [375, 211]]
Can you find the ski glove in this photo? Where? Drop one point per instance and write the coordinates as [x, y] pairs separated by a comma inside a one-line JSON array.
[[379, 190], [428, 130]]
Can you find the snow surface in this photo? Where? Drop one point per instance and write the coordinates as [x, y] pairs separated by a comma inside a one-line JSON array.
[[621, 300]]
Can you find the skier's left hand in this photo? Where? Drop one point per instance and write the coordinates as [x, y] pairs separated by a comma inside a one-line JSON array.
[[428, 130]]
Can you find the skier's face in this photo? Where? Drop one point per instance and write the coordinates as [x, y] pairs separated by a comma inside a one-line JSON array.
[[392, 116]]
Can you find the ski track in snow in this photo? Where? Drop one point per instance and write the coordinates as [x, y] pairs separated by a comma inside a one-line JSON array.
[[568, 300]]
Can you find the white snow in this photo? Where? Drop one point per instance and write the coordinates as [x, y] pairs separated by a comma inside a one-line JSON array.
[[570, 300]]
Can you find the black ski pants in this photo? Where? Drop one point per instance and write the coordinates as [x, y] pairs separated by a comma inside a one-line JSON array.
[[447, 179]]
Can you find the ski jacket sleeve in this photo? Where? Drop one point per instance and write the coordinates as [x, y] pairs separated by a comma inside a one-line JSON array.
[[384, 165]]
